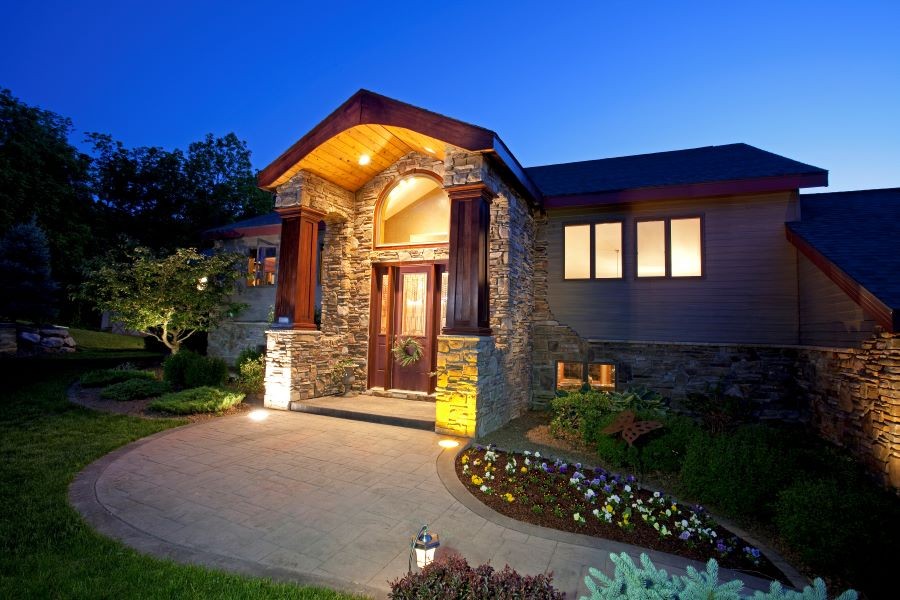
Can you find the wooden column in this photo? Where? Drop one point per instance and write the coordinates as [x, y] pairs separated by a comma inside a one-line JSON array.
[[295, 297], [467, 294]]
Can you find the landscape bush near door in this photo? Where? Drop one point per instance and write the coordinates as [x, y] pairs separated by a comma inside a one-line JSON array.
[[187, 369]]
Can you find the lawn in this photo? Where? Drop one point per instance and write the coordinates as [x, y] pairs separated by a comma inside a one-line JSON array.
[[48, 551], [101, 340]]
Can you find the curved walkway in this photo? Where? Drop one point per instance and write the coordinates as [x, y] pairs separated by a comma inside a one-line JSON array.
[[317, 500]]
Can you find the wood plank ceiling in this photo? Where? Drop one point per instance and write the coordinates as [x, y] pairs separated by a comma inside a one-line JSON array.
[[338, 158]]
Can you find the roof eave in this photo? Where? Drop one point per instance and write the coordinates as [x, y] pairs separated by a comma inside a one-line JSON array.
[[369, 108], [756, 185], [884, 315]]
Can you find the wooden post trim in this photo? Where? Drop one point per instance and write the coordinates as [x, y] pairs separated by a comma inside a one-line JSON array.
[[295, 297], [467, 294]]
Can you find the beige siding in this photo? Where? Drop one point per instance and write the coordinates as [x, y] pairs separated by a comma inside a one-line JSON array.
[[748, 293], [828, 317]]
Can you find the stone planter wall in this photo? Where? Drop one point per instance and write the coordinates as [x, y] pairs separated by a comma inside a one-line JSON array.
[[44, 340]]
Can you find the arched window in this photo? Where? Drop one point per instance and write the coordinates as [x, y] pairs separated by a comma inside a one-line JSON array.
[[416, 210]]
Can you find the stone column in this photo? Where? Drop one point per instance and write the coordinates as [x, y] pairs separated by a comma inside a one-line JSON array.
[[295, 298], [467, 294]]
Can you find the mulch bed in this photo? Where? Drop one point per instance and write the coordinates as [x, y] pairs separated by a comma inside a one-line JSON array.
[[546, 483], [89, 397]]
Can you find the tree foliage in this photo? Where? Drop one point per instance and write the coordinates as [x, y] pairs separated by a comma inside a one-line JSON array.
[[28, 291], [165, 199], [169, 297], [44, 177]]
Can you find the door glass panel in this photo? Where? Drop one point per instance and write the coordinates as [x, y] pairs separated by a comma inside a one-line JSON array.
[[412, 319], [444, 287], [385, 305]]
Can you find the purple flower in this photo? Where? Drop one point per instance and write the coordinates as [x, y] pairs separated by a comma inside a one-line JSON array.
[[603, 478], [596, 482], [685, 535], [578, 466], [479, 447], [577, 475], [599, 471], [563, 468], [630, 479], [699, 509], [720, 546], [607, 488], [545, 468]]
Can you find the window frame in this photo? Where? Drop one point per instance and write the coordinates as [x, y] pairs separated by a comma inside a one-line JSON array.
[[592, 249], [585, 372], [259, 273], [667, 231], [379, 205]]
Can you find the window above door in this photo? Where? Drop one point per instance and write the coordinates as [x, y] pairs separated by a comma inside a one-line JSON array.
[[414, 211]]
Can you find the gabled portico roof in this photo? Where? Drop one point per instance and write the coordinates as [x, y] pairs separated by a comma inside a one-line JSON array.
[[383, 130]]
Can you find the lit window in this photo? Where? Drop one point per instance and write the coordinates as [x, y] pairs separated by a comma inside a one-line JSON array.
[[601, 242], [569, 375], [261, 266], [671, 247], [415, 211], [608, 250], [651, 249], [602, 376], [686, 261], [577, 251]]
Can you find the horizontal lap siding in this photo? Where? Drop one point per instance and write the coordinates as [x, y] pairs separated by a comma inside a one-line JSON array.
[[748, 293], [828, 317]]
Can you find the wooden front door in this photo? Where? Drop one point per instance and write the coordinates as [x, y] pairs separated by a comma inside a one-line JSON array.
[[407, 304]]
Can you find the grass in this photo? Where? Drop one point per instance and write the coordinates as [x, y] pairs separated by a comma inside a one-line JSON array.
[[47, 550], [197, 400], [101, 340], [104, 377]]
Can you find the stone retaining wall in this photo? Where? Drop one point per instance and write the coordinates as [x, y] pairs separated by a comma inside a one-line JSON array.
[[299, 365], [854, 397]]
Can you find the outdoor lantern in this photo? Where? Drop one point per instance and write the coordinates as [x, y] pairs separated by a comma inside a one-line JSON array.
[[424, 545]]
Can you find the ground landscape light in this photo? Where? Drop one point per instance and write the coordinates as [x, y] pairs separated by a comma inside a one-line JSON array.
[[258, 415], [423, 545], [448, 443]]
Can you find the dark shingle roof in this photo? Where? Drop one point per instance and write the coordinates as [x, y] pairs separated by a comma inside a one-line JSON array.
[[860, 233], [271, 218], [678, 167]]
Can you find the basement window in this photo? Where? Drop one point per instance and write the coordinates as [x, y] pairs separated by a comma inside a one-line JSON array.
[[602, 376], [569, 376], [573, 376]]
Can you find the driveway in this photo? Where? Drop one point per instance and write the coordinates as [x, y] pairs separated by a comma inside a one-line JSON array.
[[318, 500]]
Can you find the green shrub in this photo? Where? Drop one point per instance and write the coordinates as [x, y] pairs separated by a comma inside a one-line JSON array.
[[197, 400], [245, 355], [175, 366], [104, 377], [252, 374], [205, 371], [189, 369], [451, 577], [741, 472], [827, 519], [585, 413], [646, 581], [134, 389], [660, 450]]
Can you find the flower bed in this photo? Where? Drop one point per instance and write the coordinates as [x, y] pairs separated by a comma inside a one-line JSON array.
[[571, 497]]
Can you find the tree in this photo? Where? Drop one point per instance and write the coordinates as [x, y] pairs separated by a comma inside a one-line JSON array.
[[28, 291], [169, 297], [44, 177], [166, 199]]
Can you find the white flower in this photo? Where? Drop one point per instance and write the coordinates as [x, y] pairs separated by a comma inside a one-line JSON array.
[[628, 489], [537, 454], [615, 499], [527, 461], [684, 523], [484, 488], [573, 481], [656, 494], [527, 453], [589, 494], [596, 512]]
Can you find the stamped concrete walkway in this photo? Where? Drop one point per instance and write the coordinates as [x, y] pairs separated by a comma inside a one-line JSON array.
[[317, 500]]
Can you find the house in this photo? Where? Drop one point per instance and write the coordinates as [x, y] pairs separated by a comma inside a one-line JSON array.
[[424, 241]]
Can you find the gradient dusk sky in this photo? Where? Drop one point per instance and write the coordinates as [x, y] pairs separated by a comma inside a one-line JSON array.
[[559, 81]]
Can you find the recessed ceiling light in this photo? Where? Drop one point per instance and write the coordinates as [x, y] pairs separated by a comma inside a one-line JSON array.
[[430, 150], [364, 159]]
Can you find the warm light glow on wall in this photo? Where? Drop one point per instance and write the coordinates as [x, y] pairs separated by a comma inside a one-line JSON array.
[[651, 249], [686, 252], [577, 243]]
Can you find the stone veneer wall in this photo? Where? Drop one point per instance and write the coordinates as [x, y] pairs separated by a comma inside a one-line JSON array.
[[500, 363], [230, 338], [854, 397]]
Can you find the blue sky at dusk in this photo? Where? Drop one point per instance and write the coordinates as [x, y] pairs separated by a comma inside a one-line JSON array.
[[559, 81]]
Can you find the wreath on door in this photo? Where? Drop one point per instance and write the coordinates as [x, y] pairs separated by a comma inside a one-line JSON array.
[[407, 351]]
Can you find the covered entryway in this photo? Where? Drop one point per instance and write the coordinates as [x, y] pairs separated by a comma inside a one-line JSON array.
[[408, 309]]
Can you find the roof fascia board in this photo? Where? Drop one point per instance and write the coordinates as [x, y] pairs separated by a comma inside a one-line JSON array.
[[731, 187]]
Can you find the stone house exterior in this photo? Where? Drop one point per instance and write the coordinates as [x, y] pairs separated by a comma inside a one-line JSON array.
[[411, 233]]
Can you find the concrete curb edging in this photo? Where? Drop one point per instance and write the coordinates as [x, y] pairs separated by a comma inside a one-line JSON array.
[[446, 468], [83, 498]]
